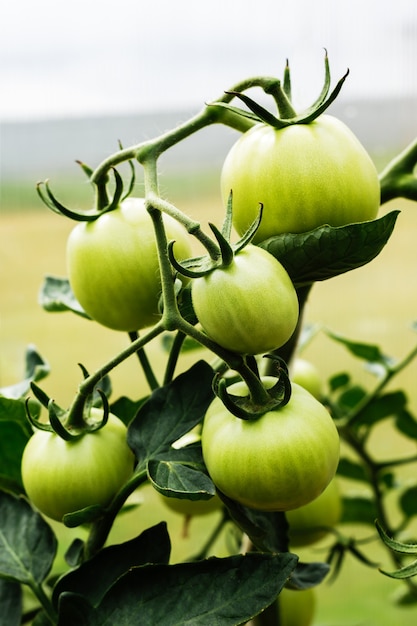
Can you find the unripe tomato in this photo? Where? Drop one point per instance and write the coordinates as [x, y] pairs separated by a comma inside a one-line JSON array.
[[278, 462], [305, 175], [312, 522], [64, 476], [296, 608], [113, 265], [306, 374], [248, 307]]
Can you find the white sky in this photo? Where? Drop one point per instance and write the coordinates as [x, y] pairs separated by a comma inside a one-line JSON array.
[[61, 59]]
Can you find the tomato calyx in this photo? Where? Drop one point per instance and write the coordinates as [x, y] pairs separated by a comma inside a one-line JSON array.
[[69, 425], [104, 204], [260, 400], [197, 267], [281, 92]]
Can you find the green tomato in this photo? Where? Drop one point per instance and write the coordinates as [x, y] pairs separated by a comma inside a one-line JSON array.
[[312, 522], [278, 462], [113, 265], [305, 175], [308, 376], [296, 608], [250, 306], [64, 476]]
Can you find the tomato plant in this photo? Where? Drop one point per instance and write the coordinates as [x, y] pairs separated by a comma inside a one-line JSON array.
[[250, 306], [61, 476], [278, 462], [263, 448], [113, 265], [312, 522], [305, 175]]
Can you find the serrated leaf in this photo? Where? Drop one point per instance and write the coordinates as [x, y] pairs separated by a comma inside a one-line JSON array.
[[393, 544], [170, 412], [36, 368], [329, 251], [358, 509], [95, 577], [10, 603], [14, 435], [56, 296], [27, 543], [214, 592]]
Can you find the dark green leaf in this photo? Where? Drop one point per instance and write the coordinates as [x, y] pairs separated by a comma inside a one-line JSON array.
[[268, 531], [407, 424], [56, 296], [181, 473], [125, 408], [14, 434], [408, 501], [350, 398], [327, 251], [214, 592], [170, 412], [338, 381], [404, 597], [94, 577], [308, 575], [350, 469], [10, 603], [27, 544], [35, 369], [381, 407], [358, 509]]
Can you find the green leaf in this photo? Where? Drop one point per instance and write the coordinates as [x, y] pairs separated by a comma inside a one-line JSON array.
[[352, 470], [307, 575], [56, 296], [14, 435], [338, 381], [10, 603], [27, 544], [268, 531], [170, 412], [214, 592], [36, 369], [125, 408], [182, 474], [382, 407], [406, 423], [408, 501], [329, 251], [358, 509], [365, 351], [95, 577], [393, 544]]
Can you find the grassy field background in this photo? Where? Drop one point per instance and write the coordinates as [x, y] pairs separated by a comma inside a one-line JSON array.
[[375, 304]]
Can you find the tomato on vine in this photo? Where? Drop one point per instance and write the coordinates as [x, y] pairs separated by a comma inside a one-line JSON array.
[[113, 265], [62, 476], [249, 306], [312, 522], [305, 176], [277, 462]]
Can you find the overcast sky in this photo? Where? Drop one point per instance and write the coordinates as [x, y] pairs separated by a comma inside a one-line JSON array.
[[60, 59]]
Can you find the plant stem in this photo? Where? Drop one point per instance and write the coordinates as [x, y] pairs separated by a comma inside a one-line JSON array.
[[144, 361], [45, 601]]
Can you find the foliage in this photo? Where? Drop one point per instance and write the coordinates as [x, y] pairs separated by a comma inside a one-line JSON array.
[[136, 581]]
